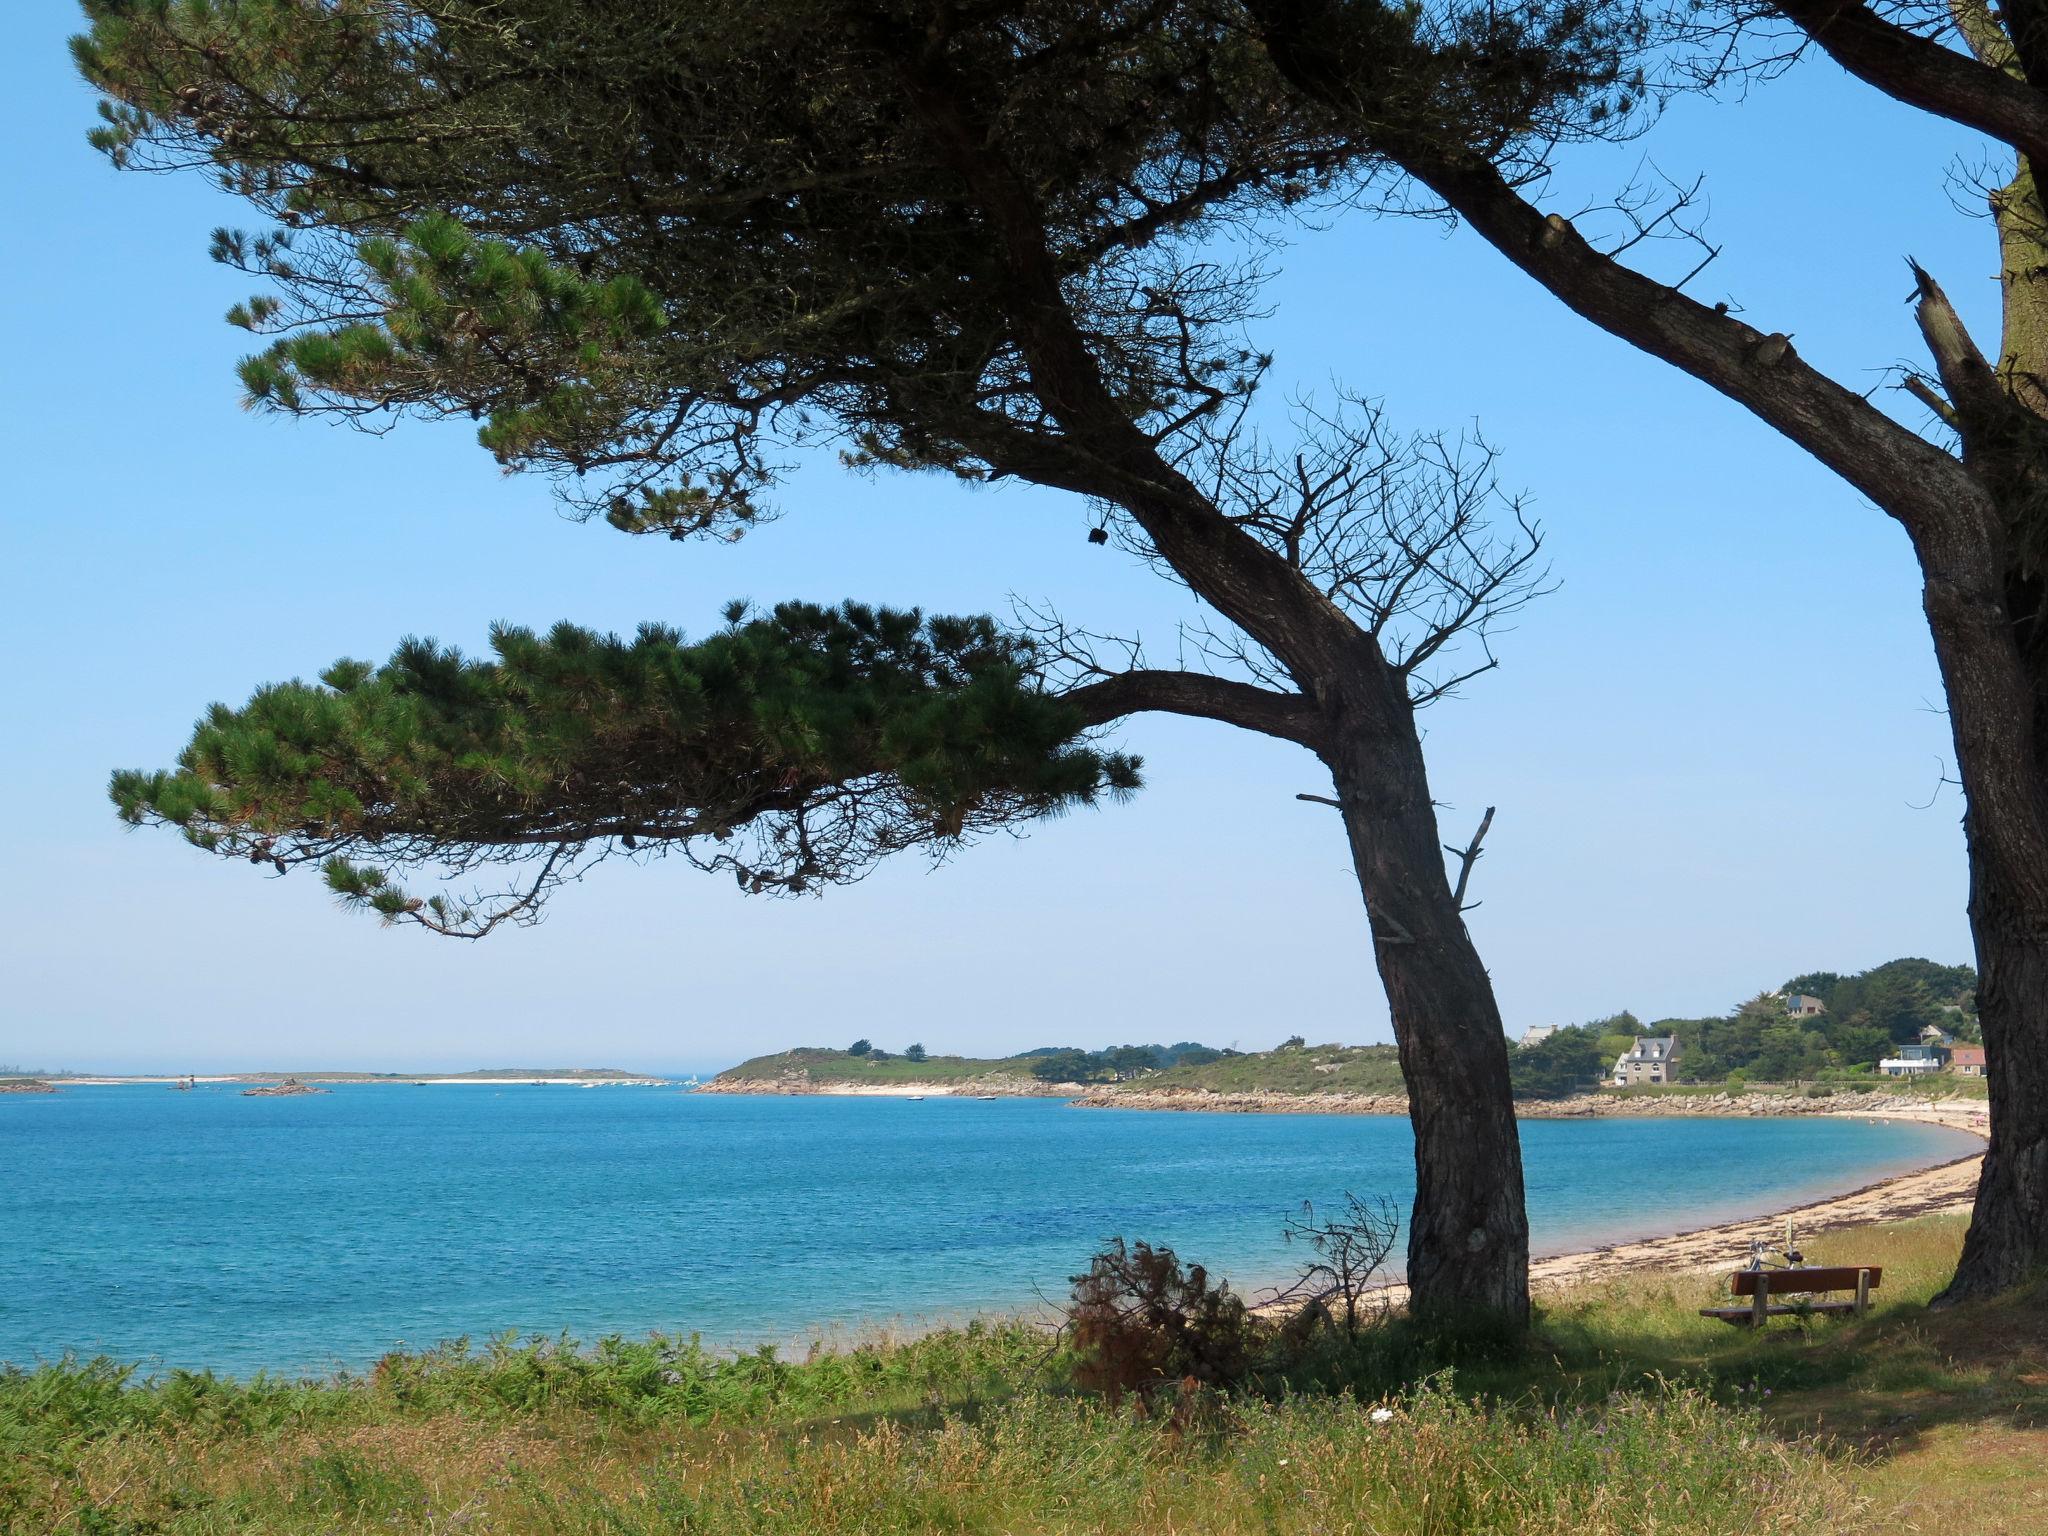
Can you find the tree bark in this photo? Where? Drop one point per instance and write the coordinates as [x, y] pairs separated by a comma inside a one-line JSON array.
[[2008, 1236], [1468, 1236], [1986, 609], [1994, 707]]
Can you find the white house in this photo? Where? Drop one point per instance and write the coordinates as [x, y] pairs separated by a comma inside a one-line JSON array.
[[1647, 1061], [1914, 1061], [1536, 1034]]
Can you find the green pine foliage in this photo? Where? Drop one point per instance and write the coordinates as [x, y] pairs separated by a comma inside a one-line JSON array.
[[790, 749]]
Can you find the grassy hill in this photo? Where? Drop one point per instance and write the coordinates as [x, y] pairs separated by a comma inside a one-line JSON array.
[[1290, 1069], [826, 1065]]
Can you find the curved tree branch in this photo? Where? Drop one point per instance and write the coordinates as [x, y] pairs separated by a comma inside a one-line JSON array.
[[1921, 72], [1288, 716], [1911, 479]]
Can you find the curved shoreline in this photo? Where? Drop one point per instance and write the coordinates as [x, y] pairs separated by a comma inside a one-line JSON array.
[[1946, 1188], [1941, 1189]]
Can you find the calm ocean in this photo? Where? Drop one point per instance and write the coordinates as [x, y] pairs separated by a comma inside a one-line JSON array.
[[302, 1234]]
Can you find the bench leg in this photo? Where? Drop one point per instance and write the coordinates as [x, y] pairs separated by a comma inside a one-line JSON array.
[[1761, 1307], [1862, 1291]]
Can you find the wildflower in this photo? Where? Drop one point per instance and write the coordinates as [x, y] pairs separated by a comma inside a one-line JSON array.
[[1381, 1415], [1283, 1461]]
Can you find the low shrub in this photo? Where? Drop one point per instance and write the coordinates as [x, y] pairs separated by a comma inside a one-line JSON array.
[[1140, 1319]]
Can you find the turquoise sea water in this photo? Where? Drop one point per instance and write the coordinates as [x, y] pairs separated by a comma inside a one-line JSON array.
[[301, 1234]]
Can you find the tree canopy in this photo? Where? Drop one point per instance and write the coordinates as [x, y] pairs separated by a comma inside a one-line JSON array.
[[775, 209], [788, 749]]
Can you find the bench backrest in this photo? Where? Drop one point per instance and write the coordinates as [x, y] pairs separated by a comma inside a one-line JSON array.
[[1795, 1282]]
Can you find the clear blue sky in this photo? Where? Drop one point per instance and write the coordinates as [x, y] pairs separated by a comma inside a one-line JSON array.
[[1707, 749]]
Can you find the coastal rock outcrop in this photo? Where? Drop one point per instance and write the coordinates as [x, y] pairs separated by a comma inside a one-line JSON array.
[[290, 1088]]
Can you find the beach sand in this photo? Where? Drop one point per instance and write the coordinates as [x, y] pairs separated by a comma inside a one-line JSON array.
[[1943, 1190], [1946, 1189]]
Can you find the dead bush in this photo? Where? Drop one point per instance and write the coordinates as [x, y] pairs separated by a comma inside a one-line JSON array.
[[1139, 1320]]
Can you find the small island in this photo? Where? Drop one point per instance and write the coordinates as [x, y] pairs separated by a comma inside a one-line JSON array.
[[26, 1085], [864, 1069], [290, 1088]]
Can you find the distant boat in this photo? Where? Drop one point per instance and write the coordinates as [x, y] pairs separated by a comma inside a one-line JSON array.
[[915, 1098]]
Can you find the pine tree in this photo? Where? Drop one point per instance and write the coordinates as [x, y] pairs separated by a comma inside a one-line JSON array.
[[650, 248]]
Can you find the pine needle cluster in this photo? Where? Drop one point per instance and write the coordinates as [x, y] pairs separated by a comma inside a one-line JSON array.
[[790, 749]]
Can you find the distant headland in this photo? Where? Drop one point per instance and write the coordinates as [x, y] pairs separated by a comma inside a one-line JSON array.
[[1908, 1025], [268, 1083]]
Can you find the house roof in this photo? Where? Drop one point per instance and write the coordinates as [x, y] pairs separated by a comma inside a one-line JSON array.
[[1652, 1048], [1967, 1056]]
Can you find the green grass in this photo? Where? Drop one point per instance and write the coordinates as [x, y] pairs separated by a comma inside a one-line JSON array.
[[1627, 1413], [349, 1460], [832, 1066], [1372, 1069]]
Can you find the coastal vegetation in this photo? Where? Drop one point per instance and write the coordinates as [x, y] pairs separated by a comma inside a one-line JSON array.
[[1625, 1413], [1757, 1042], [1862, 1019], [825, 1065], [1362, 1069], [866, 1063]]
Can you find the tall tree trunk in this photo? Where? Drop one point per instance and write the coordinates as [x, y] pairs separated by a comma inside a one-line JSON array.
[[1986, 622], [1987, 608], [1468, 1236], [1468, 1240], [2008, 1235]]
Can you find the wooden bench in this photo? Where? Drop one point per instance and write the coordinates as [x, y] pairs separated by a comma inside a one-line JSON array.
[[1764, 1286]]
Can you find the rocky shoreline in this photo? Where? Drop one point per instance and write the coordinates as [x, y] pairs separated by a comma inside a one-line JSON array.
[[1755, 1102], [1581, 1106], [27, 1085]]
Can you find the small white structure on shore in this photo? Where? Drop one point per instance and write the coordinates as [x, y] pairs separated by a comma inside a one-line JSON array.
[[1914, 1061]]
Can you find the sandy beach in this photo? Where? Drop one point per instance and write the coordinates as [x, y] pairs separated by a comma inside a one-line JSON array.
[[1946, 1189]]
